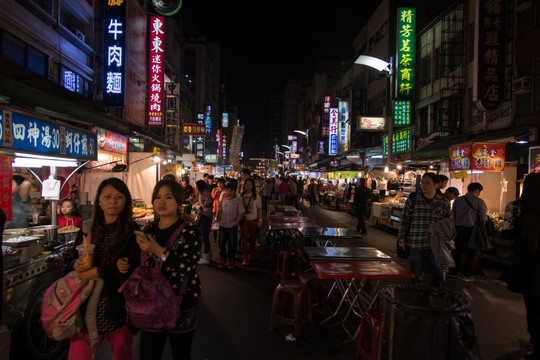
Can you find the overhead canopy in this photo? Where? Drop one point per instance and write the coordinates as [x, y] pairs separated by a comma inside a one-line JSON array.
[[439, 148]]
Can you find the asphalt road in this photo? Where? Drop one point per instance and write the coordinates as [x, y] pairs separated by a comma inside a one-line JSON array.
[[235, 309]]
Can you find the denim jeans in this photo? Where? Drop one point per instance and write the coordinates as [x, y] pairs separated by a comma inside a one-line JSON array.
[[419, 258], [228, 238], [205, 223]]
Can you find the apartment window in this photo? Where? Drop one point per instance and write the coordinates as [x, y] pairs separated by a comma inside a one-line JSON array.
[[424, 121], [36, 61], [13, 49], [45, 5], [20, 53]]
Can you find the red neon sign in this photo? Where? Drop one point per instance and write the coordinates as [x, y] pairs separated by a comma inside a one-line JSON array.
[[156, 61]]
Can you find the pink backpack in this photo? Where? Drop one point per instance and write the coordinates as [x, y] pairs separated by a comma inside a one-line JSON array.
[[60, 314], [149, 298]]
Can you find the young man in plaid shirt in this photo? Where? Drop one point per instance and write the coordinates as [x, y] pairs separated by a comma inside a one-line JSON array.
[[416, 227]]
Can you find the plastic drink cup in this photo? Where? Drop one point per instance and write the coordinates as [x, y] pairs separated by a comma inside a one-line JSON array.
[[86, 253]]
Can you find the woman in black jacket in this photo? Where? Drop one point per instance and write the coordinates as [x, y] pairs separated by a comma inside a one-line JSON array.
[[179, 265], [521, 225], [116, 254]]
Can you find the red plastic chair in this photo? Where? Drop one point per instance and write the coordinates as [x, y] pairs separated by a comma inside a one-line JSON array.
[[288, 264], [295, 294], [371, 324]]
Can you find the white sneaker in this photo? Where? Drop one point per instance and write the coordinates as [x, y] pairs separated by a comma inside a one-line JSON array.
[[205, 259]]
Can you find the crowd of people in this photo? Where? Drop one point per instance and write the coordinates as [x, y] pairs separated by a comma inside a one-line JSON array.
[[436, 230], [225, 206]]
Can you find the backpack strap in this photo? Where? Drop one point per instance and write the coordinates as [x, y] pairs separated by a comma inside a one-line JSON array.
[[174, 236]]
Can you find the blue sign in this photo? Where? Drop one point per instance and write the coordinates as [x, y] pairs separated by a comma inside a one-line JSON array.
[[23, 132], [333, 141], [115, 27], [208, 118]]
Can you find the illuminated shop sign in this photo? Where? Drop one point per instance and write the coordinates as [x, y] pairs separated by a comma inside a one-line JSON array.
[[199, 139], [402, 112], [211, 158], [294, 146], [218, 141], [208, 118], [333, 135], [490, 46], [371, 123], [401, 141], [343, 126], [460, 157], [111, 147], [406, 47], [326, 115], [224, 147], [155, 73], [115, 44], [23, 132], [225, 120], [488, 156], [193, 129]]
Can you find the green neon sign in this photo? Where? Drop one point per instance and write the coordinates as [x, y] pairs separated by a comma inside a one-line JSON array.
[[406, 47]]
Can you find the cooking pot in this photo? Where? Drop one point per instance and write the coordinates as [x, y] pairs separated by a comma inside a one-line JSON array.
[[67, 236], [50, 232]]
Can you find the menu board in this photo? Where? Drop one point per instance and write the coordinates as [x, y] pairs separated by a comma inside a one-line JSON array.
[[488, 156], [460, 157]]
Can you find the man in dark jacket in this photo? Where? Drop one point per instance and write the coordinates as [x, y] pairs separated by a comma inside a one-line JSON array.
[[360, 201]]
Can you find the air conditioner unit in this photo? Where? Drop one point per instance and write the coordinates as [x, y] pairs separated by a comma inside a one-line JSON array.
[[522, 85], [80, 35]]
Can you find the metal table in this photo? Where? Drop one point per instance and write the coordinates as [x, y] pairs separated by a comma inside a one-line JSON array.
[[357, 278], [325, 236]]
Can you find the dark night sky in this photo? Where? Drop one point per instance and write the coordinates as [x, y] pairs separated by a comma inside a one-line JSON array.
[[265, 43]]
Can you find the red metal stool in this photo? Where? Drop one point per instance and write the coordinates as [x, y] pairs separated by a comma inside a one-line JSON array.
[[368, 349], [296, 293], [288, 264], [321, 287]]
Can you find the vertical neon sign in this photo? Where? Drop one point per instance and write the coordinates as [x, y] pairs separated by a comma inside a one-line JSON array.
[[115, 42], [406, 47], [155, 79], [333, 136]]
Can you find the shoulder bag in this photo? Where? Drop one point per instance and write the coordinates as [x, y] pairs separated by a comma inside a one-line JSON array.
[[479, 237]]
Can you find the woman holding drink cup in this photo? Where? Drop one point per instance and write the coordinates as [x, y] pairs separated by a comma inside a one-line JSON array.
[[111, 253], [179, 265]]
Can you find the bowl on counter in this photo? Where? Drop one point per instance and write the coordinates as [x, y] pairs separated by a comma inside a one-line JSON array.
[[67, 236]]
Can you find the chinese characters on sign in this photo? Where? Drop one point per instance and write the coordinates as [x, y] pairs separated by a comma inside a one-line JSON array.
[[491, 49], [406, 47], [460, 157], [333, 135], [155, 71], [111, 147], [343, 126], [488, 156], [115, 39], [372, 123], [208, 118], [193, 129], [402, 112], [199, 139], [326, 115], [6, 171], [401, 141], [27, 133]]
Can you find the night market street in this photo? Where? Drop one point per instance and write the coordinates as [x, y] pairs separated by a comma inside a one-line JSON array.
[[235, 309]]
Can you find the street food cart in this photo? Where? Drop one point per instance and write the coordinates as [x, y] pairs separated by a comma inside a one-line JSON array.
[[34, 256]]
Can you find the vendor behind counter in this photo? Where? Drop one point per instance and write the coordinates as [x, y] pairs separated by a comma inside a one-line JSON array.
[[21, 203]]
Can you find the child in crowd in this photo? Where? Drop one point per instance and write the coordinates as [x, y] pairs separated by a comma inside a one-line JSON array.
[[69, 214]]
